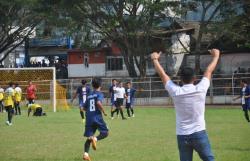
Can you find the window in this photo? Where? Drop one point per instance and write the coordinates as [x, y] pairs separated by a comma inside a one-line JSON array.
[[114, 63]]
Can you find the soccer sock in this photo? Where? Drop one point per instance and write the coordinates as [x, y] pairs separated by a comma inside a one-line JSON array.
[[128, 112], [132, 110], [117, 112], [112, 113], [9, 115], [19, 110], [86, 146], [82, 114], [16, 109], [121, 113], [246, 115], [102, 136]]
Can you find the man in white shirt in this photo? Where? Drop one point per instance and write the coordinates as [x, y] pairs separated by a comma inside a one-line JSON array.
[[119, 98], [189, 102]]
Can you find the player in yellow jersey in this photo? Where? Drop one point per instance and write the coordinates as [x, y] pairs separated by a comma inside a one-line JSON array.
[[18, 98], [37, 110], [9, 95], [1, 99]]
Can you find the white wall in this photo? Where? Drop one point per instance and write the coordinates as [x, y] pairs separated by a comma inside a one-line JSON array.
[[79, 70], [228, 62], [177, 47]]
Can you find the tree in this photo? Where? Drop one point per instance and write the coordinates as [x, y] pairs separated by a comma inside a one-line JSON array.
[[215, 20], [17, 22], [128, 23]]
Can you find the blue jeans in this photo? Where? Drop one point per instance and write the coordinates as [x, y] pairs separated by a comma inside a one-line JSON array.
[[197, 141]]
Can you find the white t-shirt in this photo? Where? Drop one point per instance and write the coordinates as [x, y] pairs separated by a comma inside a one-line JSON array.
[[189, 101], [18, 89], [84, 94], [119, 92], [243, 95], [114, 89]]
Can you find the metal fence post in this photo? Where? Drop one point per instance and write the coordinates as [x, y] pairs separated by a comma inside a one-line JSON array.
[[233, 84], [71, 88], [150, 88]]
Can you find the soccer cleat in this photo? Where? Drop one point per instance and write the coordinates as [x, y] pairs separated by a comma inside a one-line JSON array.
[[133, 115], [86, 157], [83, 121], [93, 141], [112, 118], [8, 123]]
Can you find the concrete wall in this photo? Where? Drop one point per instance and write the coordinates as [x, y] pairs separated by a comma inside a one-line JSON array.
[[166, 101], [228, 62], [79, 70]]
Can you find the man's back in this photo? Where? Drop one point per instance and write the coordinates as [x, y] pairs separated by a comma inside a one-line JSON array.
[[189, 102], [91, 108]]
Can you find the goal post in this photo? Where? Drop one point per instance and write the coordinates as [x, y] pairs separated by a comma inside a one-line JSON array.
[[45, 77]]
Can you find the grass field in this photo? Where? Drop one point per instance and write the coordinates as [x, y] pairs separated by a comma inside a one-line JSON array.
[[150, 136]]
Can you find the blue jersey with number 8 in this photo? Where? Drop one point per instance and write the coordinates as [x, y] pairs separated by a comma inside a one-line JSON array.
[[92, 111]]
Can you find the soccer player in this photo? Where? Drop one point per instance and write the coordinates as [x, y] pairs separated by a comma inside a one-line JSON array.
[[82, 92], [1, 99], [9, 102], [37, 110], [18, 98], [31, 92], [130, 93], [120, 95], [189, 103], [245, 98], [94, 119], [112, 96]]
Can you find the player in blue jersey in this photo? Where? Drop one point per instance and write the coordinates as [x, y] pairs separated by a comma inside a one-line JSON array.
[[245, 98], [130, 93], [82, 92], [94, 119], [112, 96]]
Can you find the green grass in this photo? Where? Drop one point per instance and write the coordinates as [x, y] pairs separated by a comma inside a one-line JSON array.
[[150, 136]]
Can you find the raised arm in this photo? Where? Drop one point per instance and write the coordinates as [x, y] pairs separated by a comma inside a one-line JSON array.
[[216, 55], [155, 58]]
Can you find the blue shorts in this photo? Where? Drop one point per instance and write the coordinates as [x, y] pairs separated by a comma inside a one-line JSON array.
[[112, 102], [97, 123], [81, 104], [129, 105], [245, 107]]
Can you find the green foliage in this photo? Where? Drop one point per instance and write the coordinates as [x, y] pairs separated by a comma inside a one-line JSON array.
[[17, 22], [127, 23]]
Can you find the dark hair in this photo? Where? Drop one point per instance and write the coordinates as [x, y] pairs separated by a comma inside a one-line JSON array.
[[114, 80], [187, 75], [84, 82], [128, 83], [16, 84], [96, 82], [10, 84], [244, 81]]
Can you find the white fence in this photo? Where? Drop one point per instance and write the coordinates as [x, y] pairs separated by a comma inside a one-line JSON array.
[[150, 91]]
